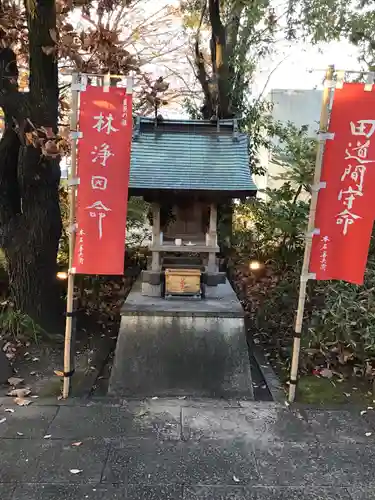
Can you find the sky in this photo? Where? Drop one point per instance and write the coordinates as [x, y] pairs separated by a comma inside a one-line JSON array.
[[293, 67], [304, 66], [298, 67]]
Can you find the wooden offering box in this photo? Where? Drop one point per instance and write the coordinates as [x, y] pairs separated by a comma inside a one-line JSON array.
[[183, 282]]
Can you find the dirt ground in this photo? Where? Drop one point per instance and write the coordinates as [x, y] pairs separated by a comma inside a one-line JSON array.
[[39, 360]]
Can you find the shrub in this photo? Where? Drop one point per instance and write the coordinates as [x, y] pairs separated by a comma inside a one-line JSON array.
[[339, 323]]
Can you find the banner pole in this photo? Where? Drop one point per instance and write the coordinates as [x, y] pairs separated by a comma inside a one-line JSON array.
[[68, 369], [323, 128]]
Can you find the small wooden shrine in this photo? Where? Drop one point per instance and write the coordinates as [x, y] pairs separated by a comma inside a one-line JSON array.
[[185, 168], [193, 344]]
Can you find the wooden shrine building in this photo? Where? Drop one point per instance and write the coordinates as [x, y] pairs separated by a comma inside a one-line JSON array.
[[185, 168]]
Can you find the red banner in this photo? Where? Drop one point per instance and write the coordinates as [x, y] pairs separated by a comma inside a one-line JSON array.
[[105, 121], [346, 206]]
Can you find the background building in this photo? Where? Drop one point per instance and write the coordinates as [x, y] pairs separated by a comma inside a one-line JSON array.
[[301, 107]]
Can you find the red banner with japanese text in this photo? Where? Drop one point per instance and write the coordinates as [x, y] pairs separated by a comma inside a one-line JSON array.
[[103, 160], [346, 206]]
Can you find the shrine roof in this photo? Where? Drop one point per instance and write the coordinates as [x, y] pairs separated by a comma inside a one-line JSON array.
[[195, 155]]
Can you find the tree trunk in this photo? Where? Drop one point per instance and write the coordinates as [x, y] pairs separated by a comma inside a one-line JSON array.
[[32, 254], [219, 59], [29, 182], [5, 368]]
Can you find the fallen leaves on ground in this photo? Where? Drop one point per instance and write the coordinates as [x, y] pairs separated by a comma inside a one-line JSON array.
[[102, 299], [10, 350], [14, 381], [22, 402], [19, 393], [326, 373], [261, 295], [141, 413], [76, 471]]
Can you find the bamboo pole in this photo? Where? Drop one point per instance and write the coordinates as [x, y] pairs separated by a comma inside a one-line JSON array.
[[72, 238], [323, 128]]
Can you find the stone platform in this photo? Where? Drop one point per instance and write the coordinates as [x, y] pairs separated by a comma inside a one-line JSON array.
[[182, 347]]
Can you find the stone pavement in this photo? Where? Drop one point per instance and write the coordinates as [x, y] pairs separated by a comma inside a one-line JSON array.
[[184, 449]]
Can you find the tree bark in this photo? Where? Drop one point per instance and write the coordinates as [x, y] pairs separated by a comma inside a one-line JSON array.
[[217, 87], [31, 256], [219, 59], [29, 181]]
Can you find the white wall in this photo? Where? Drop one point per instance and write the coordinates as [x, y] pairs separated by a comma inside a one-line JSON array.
[[301, 107]]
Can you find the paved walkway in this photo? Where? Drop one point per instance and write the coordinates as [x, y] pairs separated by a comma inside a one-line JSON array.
[[180, 449]]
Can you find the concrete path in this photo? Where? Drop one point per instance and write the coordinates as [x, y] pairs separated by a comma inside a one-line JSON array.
[[184, 449]]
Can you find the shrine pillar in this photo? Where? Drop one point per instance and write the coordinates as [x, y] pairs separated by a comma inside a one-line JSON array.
[[151, 282], [155, 208], [212, 238]]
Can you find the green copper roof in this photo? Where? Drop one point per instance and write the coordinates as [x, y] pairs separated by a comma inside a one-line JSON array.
[[190, 155]]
